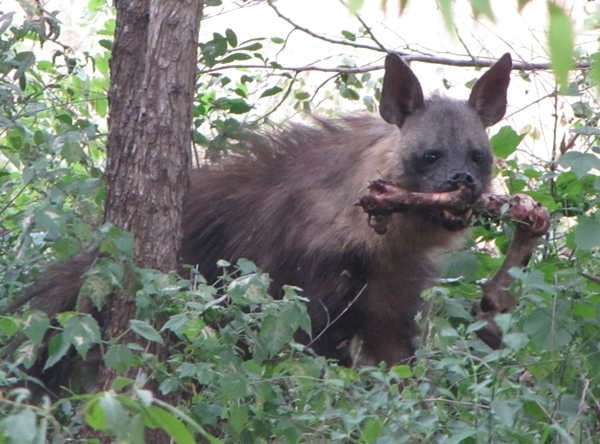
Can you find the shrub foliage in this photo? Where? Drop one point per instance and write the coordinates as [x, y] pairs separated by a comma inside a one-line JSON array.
[[234, 369]]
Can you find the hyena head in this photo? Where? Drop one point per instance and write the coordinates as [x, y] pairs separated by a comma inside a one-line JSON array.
[[443, 142]]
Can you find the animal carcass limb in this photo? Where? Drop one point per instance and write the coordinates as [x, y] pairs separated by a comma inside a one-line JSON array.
[[531, 220]]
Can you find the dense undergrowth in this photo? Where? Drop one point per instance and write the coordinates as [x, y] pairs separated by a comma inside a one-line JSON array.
[[234, 371]]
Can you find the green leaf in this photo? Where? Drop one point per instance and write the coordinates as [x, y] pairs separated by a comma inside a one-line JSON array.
[[447, 14], [403, 5], [231, 38], [587, 233], [116, 417], [595, 71], [455, 310], [404, 371], [146, 331], [66, 247], [36, 325], [354, 6], [277, 40], [515, 341], [94, 416], [238, 417], [348, 93], [106, 44], [57, 348], [82, 332], [9, 327], [235, 106], [233, 386], [119, 357], [252, 47], [301, 95], [560, 43], [586, 131], [6, 21], [237, 56], [171, 425], [271, 92], [349, 35], [95, 288], [372, 430], [505, 142], [461, 435], [120, 383], [476, 326], [482, 7], [522, 4], [20, 427], [65, 118], [504, 411], [549, 330], [580, 163], [275, 332]]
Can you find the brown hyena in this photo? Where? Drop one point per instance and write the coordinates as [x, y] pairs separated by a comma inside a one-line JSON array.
[[290, 207]]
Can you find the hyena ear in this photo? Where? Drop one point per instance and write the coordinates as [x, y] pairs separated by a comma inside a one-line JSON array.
[[401, 94], [488, 96]]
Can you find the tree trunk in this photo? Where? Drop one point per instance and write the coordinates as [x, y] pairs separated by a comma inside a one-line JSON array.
[[153, 68]]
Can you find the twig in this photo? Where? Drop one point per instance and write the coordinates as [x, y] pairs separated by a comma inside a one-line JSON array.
[[590, 277], [367, 28], [471, 62], [321, 37], [283, 98], [464, 63], [339, 70], [329, 324]]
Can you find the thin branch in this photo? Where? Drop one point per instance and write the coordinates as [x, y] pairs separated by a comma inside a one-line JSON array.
[[367, 28], [321, 37], [467, 63], [330, 78], [471, 62], [590, 277], [329, 324], [283, 98], [356, 70]]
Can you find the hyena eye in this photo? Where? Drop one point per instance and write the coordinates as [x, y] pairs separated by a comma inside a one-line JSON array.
[[431, 157], [477, 157]]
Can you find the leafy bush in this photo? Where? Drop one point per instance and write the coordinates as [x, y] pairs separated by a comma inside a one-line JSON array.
[[234, 372]]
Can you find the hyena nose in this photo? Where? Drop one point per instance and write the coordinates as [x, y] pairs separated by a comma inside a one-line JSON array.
[[463, 179]]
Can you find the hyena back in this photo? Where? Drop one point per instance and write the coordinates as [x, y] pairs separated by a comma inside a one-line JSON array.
[[290, 207]]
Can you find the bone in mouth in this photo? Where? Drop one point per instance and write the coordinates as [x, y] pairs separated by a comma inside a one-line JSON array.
[[531, 219]]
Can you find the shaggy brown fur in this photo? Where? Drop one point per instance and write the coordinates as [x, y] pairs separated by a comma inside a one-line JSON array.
[[289, 206]]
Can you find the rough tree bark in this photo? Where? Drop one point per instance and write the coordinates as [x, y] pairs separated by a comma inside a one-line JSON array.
[[153, 69]]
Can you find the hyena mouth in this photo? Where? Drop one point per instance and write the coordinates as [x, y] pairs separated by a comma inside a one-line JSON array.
[[459, 215], [452, 220]]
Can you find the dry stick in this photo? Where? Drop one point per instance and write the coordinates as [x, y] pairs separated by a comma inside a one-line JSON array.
[[531, 219], [329, 324]]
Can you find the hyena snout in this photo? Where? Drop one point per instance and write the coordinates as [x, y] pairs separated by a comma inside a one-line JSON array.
[[471, 185], [463, 178]]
